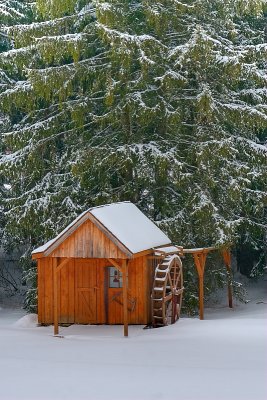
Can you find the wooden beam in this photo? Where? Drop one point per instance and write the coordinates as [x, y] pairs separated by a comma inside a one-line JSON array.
[[116, 264], [124, 270], [200, 262], [36, 256], [201, 297], [62, 264], [143, 253], [227, 261], [179, 250], [55, 295], [56, 268], [199, 250], [125, 296]]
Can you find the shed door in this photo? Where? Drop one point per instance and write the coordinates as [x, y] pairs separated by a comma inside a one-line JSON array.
[[115, 296], [85, 292]]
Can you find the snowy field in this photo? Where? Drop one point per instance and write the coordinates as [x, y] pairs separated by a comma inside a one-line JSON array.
[[223, 357]]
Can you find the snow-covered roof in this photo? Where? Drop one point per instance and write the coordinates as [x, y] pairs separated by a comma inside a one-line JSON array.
[[167, 250], [125, 222]]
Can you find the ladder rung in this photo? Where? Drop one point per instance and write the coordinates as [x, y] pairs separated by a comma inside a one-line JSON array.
[[162, 270]]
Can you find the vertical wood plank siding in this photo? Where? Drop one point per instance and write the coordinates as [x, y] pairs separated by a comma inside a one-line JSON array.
[[88, 242], [81, 287]]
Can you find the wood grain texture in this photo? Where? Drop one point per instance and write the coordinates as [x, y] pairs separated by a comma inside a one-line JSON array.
[[227, 261], [56, 290], [88, 241], [125, 296], [85, 292], [81, 292], [200, 262], [48, 295], [91, 219], [41, 290]]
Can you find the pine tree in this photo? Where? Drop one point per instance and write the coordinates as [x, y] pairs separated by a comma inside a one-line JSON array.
[[172, 106], [11, 12], [53, 64], [186, 94], [162, 103]]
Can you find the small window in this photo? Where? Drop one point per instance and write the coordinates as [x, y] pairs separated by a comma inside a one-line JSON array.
[[115, 278]]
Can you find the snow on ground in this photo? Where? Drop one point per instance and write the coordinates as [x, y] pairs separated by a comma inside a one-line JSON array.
[[223, 357]]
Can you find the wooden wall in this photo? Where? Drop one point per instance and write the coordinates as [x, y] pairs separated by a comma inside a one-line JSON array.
[[88, 241], [84, 296]]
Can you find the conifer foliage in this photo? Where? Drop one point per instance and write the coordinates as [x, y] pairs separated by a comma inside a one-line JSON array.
[[158, 102], [189, 90], [53, 73], [11, 12]]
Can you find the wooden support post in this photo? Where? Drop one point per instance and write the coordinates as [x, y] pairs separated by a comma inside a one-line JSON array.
[[200, 261], [55, 294], [201, 296], [227, 261], [125, 296], [57, 266], [116, 264]]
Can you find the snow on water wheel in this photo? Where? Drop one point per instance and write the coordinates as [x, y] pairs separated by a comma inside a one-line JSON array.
[[167, 291]]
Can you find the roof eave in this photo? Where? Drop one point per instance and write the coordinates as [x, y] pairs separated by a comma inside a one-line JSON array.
[[72, 229], [35, 256]]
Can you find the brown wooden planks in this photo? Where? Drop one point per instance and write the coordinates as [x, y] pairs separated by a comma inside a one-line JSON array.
[[85, 291], [137, 291], [80, 279], [56, 292], [63, 288], [125, 297], [101, 318], [71, 291], [48, 317], [133, 317], [41, 289], [88, 241], [145, 290]]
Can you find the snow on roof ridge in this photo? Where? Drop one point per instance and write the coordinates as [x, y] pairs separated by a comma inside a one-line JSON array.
[[109, 204], [144, 236], [46, 245], [131, 226]]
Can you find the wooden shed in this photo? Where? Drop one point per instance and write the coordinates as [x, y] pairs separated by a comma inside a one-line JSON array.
[[101, 270]]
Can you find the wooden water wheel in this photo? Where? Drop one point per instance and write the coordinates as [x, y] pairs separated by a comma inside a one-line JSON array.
[[167, 291]]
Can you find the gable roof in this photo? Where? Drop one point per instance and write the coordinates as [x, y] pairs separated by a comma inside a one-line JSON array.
[[124, 221]]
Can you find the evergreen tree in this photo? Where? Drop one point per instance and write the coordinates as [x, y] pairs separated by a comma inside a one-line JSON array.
[[162, 103], [186, 97], [172, 107], [53, 65], [11, 12]]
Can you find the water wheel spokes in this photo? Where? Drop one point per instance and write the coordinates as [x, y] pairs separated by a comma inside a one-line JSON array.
[[167, 291]]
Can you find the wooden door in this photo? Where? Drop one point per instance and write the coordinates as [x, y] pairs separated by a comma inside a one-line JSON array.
[[85, 292], [114, 296], [115, 306]]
